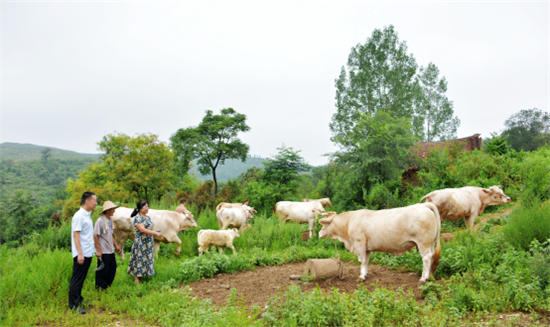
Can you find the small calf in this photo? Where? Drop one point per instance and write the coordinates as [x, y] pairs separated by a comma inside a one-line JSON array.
[[220, 238]]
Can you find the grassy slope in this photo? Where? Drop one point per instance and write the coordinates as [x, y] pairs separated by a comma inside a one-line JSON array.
[[22, 152]]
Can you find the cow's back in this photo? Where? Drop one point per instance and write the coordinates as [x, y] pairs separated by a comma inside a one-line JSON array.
[[456, 203]]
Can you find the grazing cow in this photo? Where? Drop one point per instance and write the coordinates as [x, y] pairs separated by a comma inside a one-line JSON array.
[[324, 201], [392, 231], [235, 217], [169, 223], [466, 202], [300, 212], [228, 205], [220, 238]]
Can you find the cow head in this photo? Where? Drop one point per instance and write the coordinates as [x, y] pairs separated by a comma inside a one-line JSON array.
[[249, 211], [188, 221], [235, 233], [496, 196], [327, 231]]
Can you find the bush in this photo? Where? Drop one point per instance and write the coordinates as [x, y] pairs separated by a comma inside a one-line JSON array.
[[528, 223]]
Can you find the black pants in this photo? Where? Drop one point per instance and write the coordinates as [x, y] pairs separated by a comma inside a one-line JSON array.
[[77, 280], [104, 278]]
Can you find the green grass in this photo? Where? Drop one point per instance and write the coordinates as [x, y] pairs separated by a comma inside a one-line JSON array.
[[528, 223]]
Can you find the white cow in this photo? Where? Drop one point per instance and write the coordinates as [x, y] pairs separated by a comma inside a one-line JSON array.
[[220, 238], [235, 217], [466, 202], [169, 223], [300, 212], [228, 205], [324, 201], [392, 231]]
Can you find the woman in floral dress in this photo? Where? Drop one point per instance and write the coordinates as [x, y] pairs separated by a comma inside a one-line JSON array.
[[142, 259]]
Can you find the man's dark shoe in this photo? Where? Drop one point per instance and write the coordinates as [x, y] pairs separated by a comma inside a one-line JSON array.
[[79, 310]]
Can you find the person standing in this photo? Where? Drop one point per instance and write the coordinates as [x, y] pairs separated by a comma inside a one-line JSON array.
[[142, 259], [82, 248], [105, 247], [182, 208]]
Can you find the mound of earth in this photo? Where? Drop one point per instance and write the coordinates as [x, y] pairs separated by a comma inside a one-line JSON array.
[[258, 285]]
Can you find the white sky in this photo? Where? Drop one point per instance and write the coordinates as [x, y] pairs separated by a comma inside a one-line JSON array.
[[72, 72]]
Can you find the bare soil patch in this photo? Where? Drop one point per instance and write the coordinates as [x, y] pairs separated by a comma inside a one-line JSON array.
[[258, 285]]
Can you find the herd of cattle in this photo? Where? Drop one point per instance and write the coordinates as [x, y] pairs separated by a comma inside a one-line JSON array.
[[362, 231]]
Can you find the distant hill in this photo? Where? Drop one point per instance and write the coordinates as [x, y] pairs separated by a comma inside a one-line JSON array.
[[231, 169], [26, 152]]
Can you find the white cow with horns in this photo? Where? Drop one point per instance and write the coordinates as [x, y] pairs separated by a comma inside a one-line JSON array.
[[169, 223], [300, 212], [392, 231]]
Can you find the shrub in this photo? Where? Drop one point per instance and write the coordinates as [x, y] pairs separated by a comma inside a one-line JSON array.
[[528, 223]]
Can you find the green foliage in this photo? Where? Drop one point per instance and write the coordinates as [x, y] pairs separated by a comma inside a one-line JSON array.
[[231, 169], [496, 145], [381, 76], [285, 166], [132, 167], [211, 143], [534, 169], [528, 223], [17, 216], [528, 129]]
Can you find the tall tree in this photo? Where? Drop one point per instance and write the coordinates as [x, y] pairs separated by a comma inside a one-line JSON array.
[[211, 143], [46, 154], [382, 75], [18, 212], [285, 166], [433, 116], [527, 129]]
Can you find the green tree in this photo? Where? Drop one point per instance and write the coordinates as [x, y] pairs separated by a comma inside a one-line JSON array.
[[211, 143], [46, 154], [139, 167], [18, 212], [496, 144], [285, 166], [434, 112], [381, 75], [528, 129]]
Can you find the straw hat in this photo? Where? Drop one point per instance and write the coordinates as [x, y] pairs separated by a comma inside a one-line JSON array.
[[108, 205]]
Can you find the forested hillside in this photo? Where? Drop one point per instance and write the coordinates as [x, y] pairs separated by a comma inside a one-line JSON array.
[[22, 152], [232, 168]]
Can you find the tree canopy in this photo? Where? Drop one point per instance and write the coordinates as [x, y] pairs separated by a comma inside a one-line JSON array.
[[212, 142], [528, 129], [382, 75]]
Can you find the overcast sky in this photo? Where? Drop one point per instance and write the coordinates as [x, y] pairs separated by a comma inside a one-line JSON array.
[[74, 72]]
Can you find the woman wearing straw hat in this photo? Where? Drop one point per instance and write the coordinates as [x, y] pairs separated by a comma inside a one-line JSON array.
[[105, 247]]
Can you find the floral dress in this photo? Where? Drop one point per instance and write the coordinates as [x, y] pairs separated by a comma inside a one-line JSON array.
[[142, 259]]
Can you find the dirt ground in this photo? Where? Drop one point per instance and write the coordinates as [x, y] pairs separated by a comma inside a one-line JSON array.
[[258, 285]]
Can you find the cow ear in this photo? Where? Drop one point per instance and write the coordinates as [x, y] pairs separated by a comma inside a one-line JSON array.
[[486, 191], [326, 221]]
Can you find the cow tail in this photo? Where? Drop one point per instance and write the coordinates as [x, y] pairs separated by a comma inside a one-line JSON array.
[[274, 209], [437, 240], [219, 207]]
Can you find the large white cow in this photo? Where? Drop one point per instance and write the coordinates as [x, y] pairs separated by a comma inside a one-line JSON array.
[[235, 217], [300, 212], [466, 202], [324, 201], [392, 231], [169, 223]]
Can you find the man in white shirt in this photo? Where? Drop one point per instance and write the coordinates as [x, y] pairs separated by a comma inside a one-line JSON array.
[[82, 247]]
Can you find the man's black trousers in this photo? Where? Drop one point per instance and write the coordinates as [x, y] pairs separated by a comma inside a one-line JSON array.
[[77, 280], [104, 278]]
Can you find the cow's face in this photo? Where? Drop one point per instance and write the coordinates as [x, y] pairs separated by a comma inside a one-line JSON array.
[[235, 233], [189, 221], [496, 195], [327, 230]]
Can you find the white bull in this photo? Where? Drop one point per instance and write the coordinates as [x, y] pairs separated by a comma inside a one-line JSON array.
[[169, 223], [235, 217], [300, 212], [392, 231], [466, 202]]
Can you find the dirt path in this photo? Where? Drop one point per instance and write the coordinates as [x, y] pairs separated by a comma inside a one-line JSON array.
[[258, 285]]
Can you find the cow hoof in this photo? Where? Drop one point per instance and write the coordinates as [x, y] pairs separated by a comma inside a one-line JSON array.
[[360, 279], [421, 282]]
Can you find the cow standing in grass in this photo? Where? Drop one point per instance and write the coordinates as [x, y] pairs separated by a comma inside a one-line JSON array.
[[219, 238], [300, 212], [235, 217], [393, 231], [466, 202]]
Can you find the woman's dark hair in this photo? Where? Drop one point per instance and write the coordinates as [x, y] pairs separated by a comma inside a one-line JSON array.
[[139, 206]]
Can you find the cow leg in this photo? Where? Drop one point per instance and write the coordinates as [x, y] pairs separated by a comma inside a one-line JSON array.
[[202, 249], [173, 238], [157, 248], [427, 253], [120, 238], [469, 221], [220, 249], [311, 225], [363, 256], [231, 247]]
